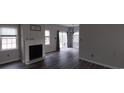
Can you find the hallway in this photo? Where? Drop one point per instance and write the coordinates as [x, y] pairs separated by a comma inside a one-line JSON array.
[[67, 58]]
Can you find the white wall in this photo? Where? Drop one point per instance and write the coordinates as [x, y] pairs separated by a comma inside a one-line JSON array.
[[53, 34], [31, 35], [103, 44], [9, 55]]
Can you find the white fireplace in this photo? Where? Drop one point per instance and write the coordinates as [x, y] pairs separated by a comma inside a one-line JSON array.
[[33, 51]]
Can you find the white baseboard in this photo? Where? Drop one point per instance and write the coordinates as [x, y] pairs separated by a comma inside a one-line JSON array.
[[9, 61], [91, 61]]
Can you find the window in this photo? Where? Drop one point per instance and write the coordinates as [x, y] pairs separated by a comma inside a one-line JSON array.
[[76, 40], [47, 37], [8, 38]]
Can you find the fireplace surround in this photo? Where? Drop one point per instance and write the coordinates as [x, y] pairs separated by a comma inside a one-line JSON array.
[[33, 51]]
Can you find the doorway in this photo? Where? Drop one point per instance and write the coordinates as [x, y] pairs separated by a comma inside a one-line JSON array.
[[63, 39], [76, 40]]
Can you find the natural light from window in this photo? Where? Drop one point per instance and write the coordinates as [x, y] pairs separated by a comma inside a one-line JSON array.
[[47, 37], [8, 38], [76, 40]]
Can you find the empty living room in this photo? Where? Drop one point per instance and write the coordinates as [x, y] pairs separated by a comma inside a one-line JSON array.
[[61, 46], [39, 46]]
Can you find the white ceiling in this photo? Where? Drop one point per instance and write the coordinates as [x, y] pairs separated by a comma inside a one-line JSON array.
[[70, 25]]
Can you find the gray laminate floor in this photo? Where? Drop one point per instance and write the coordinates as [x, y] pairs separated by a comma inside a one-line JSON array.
[[65, 59]]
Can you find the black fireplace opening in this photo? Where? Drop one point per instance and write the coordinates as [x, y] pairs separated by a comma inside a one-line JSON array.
[[35, 51]]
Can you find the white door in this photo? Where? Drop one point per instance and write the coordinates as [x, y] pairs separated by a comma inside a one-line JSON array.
[[76, 40], [63, 39]]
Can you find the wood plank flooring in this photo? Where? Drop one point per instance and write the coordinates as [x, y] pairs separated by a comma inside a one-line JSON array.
[[65, 59]]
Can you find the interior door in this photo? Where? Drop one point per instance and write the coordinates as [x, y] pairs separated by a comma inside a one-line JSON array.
[[76, 40], [63, 39]]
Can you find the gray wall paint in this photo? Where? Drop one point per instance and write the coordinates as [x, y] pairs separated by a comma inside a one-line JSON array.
[[9, 55], [103, 44], [53, 34]]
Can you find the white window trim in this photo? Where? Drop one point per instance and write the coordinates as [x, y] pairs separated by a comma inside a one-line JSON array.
[[48, 37], [17, 40]]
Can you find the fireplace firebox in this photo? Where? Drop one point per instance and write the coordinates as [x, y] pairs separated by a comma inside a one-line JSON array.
[[35, 51]]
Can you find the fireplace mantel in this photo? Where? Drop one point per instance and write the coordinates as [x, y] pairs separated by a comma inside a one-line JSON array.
[[27, 44], [30, 38]]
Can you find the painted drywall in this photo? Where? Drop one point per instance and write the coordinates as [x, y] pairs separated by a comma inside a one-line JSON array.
[[27, 34], [53, 28], [103, 44], [9, 55]]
